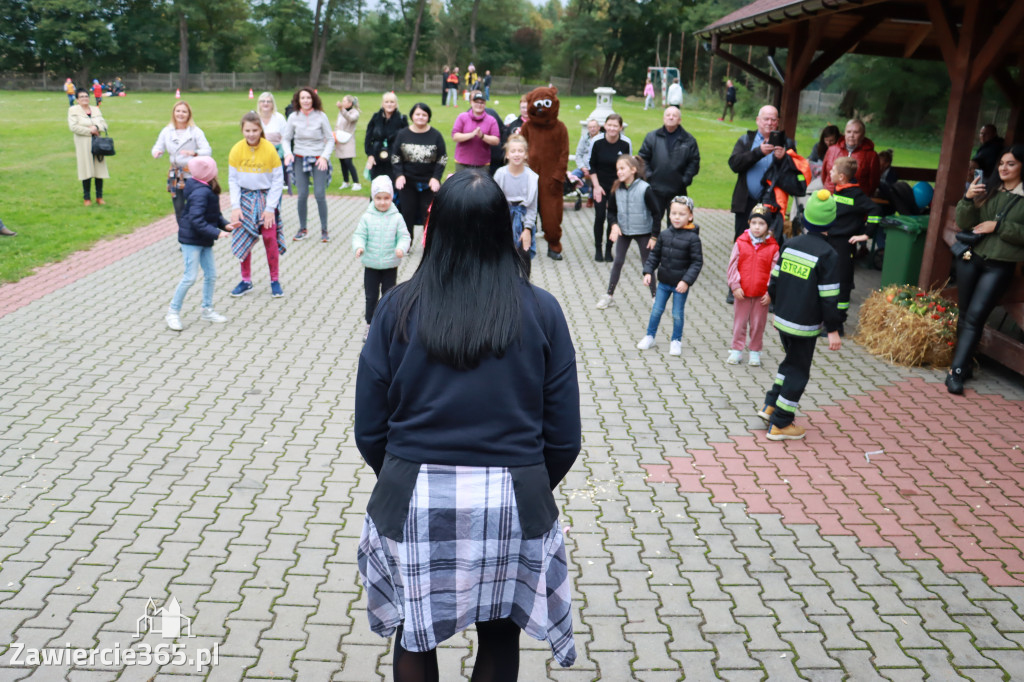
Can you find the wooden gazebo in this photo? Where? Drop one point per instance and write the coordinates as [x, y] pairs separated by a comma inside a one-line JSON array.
[[976, 39]]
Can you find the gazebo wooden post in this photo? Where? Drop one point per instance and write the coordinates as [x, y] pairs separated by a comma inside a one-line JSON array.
[[957, 137]]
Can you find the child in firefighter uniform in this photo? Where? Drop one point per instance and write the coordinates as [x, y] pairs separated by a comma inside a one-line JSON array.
[[856, 219], [805, 290]]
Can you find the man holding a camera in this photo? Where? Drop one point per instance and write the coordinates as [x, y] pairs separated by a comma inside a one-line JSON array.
[[751, 159]]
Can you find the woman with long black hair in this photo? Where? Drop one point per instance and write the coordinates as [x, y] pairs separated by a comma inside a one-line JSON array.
[[991, 218], [467, 409]]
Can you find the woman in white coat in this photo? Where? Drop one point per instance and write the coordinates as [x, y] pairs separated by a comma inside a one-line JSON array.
[[182, 140], [344, 136], [87, 122]]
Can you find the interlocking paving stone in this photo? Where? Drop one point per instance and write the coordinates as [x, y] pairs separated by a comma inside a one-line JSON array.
[[137, 463]]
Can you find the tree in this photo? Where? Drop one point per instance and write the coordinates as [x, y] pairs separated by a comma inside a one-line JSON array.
[[73, 34], [414, 44], [16, 32], [321, 33], [285, 26]]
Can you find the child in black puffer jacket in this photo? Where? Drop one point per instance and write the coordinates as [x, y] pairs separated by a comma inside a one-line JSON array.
[[678, 259]]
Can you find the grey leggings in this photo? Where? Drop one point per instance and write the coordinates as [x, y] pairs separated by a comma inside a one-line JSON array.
[[319, 191], [621, 249]]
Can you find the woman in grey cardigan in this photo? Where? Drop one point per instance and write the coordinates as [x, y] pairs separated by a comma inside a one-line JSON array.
[[308, 141]]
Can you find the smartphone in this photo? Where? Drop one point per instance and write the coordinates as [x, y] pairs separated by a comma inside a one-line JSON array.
[[979, 175], [777, 138]]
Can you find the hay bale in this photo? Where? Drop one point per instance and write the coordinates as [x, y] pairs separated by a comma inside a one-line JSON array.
[[908, 326]]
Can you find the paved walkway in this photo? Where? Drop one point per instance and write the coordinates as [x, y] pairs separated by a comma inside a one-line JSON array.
[[216, 466]]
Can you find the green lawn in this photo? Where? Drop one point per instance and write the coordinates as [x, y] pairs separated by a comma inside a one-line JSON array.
[[42, 201]]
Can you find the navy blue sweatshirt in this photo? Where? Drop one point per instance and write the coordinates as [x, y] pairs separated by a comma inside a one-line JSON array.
[[201, 221], [519, 410]]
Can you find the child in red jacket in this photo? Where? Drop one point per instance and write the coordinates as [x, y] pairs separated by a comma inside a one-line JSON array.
[[750, 268]]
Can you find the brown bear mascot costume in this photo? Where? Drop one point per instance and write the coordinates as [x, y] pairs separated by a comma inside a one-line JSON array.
[[549, 159]]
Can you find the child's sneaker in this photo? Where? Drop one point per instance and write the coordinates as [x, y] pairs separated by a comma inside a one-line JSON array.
[[734, 357], [645, 343], [173, 321], [755, 358], [343, 185], [242, 289], [211, 315], [675, 348], [605, 301], [356, 187], [299, 236], [765, 413], [275, 290], [791, 432]]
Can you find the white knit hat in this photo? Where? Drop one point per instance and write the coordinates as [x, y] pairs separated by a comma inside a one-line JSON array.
[[381, 185]]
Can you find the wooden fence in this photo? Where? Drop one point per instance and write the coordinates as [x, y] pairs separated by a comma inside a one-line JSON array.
[[332, 80]]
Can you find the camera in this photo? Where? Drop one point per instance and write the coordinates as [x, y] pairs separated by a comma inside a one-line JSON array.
[[777, 138]]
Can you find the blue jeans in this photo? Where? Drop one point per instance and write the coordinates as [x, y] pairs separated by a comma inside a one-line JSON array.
[[196, 256], [678, 303]]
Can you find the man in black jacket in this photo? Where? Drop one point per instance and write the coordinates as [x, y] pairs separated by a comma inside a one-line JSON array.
[[672, 160], [991, 148], [751, 159]]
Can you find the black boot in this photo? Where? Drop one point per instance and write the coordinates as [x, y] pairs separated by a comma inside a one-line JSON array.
[[599, 254], [955, 381], [608, 257]]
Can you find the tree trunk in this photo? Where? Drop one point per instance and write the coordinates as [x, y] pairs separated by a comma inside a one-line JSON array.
[[321, 32], [412, 48], [472, 29], [182, 49]]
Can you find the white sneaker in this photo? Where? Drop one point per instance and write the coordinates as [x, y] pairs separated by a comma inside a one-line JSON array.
[[645, 343], [356, 187], [211, 315], [675, 348], [343, 185], [755, 358], [173, 321], [366, 333], [605, 302], [734, 357]]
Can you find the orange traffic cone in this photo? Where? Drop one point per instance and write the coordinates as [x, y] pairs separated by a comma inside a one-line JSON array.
[[250, 93], [177, 93]]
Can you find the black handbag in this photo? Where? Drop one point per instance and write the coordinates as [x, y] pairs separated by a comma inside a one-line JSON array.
[[103, 146]]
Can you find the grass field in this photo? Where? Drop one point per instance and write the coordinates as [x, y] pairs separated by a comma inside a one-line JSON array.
[[42, 198]]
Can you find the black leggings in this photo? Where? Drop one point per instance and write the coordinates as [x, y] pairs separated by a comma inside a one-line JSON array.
[[413, 204], [348, 168], [601, 231], [99, 188], [497, 658], [376, 283], [621, 249], [980, 285]]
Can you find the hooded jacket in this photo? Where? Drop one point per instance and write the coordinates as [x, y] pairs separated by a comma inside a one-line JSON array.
[[379, 234], [678, 256], [670, 171], [201, 222], [869, 172]]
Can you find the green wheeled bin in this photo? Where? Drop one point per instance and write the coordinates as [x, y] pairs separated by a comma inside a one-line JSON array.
[[904, 248]]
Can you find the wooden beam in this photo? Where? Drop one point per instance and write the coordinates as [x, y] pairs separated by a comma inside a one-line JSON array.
[[803, 40], [749, 68], [915, 40], [1007, 28], [840, 47], [945, 30]]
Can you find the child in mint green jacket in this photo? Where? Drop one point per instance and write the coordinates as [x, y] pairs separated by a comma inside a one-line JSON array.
[[380, 240]]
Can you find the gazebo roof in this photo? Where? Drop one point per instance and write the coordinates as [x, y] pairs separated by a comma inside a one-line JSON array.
[[897, 28]]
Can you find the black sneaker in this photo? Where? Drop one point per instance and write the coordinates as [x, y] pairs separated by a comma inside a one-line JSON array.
[[599, 255], [554, 255], [608, 257], [729, 298]]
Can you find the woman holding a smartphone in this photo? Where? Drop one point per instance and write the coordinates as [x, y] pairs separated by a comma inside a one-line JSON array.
[[991, 220]]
